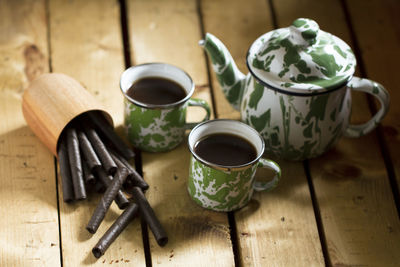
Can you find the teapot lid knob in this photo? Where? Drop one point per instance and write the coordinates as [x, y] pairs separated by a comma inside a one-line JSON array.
[[303, 32]]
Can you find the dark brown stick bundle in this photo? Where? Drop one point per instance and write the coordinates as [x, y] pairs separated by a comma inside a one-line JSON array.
[[106, 180], [101, 150], [109, 133], [80, 132], [88, 152], [150, 217], [89, 178], [115, 230], [75, 161], [134, 178], [99, 187], [94, 168], [106, 200], [65, 172]]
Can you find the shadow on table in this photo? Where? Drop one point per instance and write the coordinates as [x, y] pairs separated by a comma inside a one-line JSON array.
[[184, 220], [28, 169]]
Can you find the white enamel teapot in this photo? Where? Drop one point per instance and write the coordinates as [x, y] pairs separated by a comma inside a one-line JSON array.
[[297, 93]]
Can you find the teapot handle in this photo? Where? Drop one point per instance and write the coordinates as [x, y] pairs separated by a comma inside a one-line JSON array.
[[377, 90]]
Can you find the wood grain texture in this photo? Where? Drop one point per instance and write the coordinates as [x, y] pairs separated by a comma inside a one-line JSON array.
[[52, 101], [168, 31], [355, 204], [86, 44], [277, 228], [197, 237], [378, 35], [355, 201], [27, 177]]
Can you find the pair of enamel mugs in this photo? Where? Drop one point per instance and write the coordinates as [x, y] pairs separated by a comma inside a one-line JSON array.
[[160, 128]]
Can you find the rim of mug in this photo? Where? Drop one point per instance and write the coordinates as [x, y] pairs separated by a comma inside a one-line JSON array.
[[189, 93], [227, 167]]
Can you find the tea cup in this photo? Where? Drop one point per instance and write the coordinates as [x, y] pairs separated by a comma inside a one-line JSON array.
[[223, 187], [158, 127]]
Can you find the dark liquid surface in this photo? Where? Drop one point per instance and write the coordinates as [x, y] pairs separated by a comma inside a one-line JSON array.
[[156, 91], [225, 149]]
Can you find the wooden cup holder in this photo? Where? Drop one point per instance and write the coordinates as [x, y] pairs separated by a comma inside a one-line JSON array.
[[52, 101]]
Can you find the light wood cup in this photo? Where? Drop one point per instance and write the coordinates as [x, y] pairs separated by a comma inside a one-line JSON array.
[[52, 101]]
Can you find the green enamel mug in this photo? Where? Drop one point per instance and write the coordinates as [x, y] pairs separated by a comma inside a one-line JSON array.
[[158, 127], [221, 187]]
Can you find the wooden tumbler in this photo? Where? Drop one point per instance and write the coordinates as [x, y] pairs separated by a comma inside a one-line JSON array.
[[52, 101]]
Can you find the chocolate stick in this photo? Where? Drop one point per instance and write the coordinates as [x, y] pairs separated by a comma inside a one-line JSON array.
[[148, 214], [75, 164], [88, 152], [106, 180], [115, 230], [65, 171], [109, 133], [106, 200], [134, 177], [87, 175], [101, 151], [99, 187]]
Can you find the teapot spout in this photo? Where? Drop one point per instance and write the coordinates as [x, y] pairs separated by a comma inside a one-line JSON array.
[[230, 78]]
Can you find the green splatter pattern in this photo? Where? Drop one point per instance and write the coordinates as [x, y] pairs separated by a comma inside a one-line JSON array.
[[296, 128], [301, 58], [232, 81], [220, 190], [155, 130]]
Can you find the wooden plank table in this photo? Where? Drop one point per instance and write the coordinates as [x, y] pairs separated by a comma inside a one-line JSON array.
[[341, 209]]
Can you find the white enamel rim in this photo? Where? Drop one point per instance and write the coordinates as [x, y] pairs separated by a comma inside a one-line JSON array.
[[226, 126], [162, 70]]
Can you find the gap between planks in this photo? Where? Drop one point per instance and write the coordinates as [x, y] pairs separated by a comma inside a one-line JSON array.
[[205, 227], [48, 33], [231, 217], [314, 201], [387, 159], [128, 60]]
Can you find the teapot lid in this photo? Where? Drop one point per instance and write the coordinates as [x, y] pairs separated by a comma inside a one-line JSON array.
[[301, 59]]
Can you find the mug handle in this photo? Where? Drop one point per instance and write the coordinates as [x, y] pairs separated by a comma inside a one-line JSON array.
[[268, 186], [377, 90], [195, 102]]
